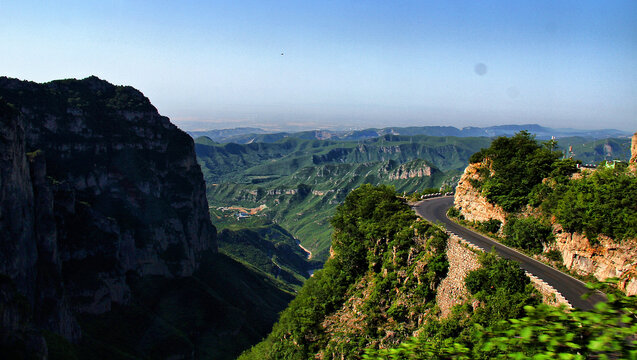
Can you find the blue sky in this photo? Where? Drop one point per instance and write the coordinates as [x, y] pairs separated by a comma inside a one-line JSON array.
[[345, 63]]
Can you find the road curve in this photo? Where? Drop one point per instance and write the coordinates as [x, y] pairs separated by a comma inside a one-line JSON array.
[[435, 210]]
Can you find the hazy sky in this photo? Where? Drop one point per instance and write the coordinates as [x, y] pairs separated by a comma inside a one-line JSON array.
[[344, 63]]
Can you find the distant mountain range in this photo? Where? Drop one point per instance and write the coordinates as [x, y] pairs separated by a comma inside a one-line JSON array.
[[248, 135]]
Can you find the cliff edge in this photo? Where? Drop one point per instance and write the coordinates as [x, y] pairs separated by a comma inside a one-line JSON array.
[[470, 201], [95, 186]]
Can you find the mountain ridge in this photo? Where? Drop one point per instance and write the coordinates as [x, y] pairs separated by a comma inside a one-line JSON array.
[[249, 135]]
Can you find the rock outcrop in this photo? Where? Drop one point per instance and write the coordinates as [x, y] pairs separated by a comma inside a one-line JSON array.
[[95, 185], [472, 204], [409, 171], [633, 149], [606, 259]]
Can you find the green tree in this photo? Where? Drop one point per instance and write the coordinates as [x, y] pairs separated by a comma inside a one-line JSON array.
[[527, 233], [603, 202], [545, 332], [517, 164]]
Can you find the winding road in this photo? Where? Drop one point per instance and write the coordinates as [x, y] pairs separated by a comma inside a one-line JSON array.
[[435, 210]]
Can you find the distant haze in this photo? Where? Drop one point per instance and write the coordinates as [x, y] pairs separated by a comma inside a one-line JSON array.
[[294, 65]]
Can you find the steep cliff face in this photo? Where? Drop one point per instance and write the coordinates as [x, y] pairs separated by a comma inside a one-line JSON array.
[[414, 169], [470, 201], [95, 186], [633, 149], [16, 202], [606, 259]]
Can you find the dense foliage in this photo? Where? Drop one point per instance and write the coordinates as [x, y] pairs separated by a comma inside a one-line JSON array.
[[527, 233], [546, 332], [367, 215], [515, 165], [375, 245], [602, 202], [490, 226], [500, 289]]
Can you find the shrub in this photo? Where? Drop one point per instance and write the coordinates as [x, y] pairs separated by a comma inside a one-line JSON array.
[[491, 225], [518, 164], [527, 233], [453, 212], [496, 273], [604, 202], [554, 255]]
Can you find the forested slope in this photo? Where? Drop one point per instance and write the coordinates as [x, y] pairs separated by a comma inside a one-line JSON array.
[[379, 287], [376, 298], [300, 182]]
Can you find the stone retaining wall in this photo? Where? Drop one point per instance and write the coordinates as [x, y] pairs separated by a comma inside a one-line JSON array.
[[463, 258]]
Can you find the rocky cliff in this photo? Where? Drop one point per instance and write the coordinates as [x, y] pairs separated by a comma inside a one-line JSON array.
[[414, 169], [604, 260], [95, 186], [633, 149], [470, 201]]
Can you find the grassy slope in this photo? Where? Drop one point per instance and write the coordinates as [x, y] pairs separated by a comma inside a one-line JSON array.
[[270, 248]]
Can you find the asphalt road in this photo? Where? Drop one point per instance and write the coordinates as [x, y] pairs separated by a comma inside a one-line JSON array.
[[435, 210]]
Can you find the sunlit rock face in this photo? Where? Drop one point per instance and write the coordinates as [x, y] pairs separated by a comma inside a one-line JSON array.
[[633, 149], [95, 186], [472, 204], [606, 259], [409, 171]]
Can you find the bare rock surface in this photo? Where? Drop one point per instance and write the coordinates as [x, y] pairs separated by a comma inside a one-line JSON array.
[[470, 201], [606, 259]]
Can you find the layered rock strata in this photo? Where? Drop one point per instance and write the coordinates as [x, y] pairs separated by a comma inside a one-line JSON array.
[[407, 172]]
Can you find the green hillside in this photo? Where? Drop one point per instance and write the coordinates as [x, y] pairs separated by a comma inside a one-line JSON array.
[[380, 287], [376, 299], [250, 135], [238, 162], [298, 183], [271, 249], [593, 151]]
